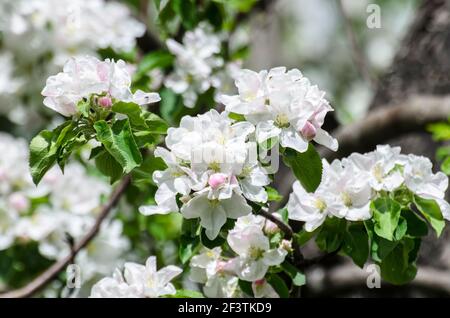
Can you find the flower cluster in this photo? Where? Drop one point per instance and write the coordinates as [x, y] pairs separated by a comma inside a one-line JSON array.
[[138, 281], [208, 165], [68, 27], [38, 36], [198, 65], [254, 255], [86, 76], [349, 186], [283, 105], [46, 215]]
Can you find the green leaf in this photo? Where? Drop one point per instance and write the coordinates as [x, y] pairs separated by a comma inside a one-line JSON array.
[[386, 213], [133, 111], [445, 166], [188, 247], [398, 268], [416, 226], [279, 285], [108, 166], [432, 213], [83, 107], [156, 59], [118, 140], [218, 241], [246, 287], [356, 244], [298, 278], [155, 124], [168, 104], [440, 131], [273, 194], [442, 153], [236, 117], [183, 293], [47, 147], [304, 236], [187, 10], [331, 235], [307, 167]]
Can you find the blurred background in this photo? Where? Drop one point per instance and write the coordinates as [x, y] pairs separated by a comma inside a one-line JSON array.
[[365, 54]]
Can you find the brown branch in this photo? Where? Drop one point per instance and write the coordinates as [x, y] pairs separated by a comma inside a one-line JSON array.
[[385, 123], [349, 277], [46, 277], [289, 234]]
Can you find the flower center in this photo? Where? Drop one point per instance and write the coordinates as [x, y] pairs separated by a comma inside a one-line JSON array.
[[256, 253], [320, 205], [282, 121], [346, 199], [378, 172]]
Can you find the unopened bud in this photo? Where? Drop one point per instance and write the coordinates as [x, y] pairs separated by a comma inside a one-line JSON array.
[[105, 102], [286, 245], [308, 131]]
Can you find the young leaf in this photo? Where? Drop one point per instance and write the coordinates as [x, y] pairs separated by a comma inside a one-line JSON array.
[[416, 226], [307, 167], [386, 213], [42, 155], [298, 278], [331, 235], [188, 247], [399, 266], [279, 285], [155, 124], [118, 140], [133, 111], [273, 194], [356, 244], [107, 165], [432, 213]]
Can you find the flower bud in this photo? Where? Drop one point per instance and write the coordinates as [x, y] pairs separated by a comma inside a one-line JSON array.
[[260, 282], [308, 131], [270, 227], [217, 179], [105, 101], [286, 245]]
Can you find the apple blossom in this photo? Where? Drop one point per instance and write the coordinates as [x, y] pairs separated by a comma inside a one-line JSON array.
[[283, 105], [196, 61], [209, 268], [86, 76], [255, 255], [138, 281]]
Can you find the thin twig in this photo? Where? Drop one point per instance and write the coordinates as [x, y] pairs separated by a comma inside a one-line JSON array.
[[46, 277]]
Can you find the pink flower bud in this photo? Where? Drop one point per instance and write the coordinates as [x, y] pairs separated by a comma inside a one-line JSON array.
[[286, 245], [270, 227], [260, 282], [19, 202], [308, 131], [105, 102], [217, 179]]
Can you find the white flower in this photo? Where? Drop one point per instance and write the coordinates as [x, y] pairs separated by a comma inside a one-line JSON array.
[[254, 253], [214, 213], [420, 179], [196, 60], [262, 289], [138, 281], [283, 105], [85, 76], [176, 179], [379, 166], [311, 208], [210, 269]]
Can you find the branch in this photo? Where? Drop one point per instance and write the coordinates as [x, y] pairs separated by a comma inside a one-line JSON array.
[[348, 277], [289, 234], [46, 277], [385, 123]]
